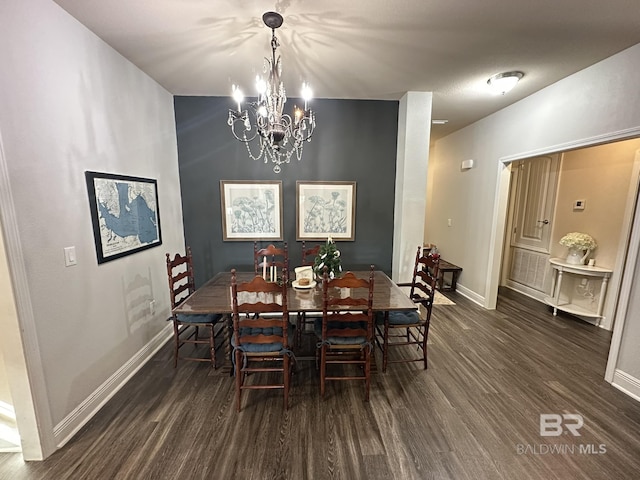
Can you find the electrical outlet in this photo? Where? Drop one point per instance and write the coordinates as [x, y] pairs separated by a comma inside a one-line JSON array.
[[152, 307], [583, 281]]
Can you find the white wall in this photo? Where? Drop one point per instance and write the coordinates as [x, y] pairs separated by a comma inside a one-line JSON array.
[[592, 103], [71, 103], [599, 103], [414, 130]]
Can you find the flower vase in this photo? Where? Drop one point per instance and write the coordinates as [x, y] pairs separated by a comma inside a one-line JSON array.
[[577, 256]]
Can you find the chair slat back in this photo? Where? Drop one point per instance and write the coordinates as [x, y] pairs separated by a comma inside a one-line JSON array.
[[181, 278], [251, 300], [345, 312], [270, 256], [425, 275], [309, 254]]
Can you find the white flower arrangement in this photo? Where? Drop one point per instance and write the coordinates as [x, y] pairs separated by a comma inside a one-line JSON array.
[[582, 241]]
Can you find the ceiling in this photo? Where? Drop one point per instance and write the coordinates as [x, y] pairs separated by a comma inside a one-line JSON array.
[[367, 49]]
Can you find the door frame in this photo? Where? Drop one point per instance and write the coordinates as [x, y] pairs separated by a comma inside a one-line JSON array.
[[19, 343], [620, 290], [513, 214], [501, 203]]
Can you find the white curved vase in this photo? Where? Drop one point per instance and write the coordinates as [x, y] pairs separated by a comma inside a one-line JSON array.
[[577, 256]]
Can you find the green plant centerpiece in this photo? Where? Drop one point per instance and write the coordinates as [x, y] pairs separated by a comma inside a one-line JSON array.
[[328, 256]]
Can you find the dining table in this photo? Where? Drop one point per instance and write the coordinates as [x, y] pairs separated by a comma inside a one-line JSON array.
[[215, 297]]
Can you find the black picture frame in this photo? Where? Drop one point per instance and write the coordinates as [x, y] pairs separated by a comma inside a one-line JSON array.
[[119, 234]]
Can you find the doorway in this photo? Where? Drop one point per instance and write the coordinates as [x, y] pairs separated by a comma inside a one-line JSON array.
[[533, 196], [9, 436], [596, 191]]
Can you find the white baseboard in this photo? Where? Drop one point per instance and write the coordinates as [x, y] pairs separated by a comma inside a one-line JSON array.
[[471, 295], [627, 384], [69, 426]]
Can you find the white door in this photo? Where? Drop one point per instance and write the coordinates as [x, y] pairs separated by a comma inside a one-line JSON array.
[[535, 181]]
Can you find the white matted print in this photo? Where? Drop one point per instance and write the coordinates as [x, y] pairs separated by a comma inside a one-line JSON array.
[[325, 209], [251, 210]]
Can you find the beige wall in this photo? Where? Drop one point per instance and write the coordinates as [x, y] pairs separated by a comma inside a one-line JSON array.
[[600, 176], [5, 395]]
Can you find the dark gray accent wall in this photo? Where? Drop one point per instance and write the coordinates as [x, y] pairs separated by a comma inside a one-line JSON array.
[[355, 140]]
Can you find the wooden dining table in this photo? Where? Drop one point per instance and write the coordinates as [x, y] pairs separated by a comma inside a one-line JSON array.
[[215, 297]]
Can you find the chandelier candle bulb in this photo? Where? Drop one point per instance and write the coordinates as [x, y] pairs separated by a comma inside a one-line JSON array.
[[237, 96]]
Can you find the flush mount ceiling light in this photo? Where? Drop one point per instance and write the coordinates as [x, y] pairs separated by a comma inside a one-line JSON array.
[[501, 83], [278, 135]]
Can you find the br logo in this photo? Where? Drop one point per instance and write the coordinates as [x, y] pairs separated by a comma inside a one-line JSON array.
[[554, 425]]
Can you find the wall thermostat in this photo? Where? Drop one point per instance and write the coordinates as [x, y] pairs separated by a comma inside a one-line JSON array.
[[467, 164]]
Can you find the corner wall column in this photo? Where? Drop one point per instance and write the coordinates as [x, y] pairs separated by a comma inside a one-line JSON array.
[[414, 134]]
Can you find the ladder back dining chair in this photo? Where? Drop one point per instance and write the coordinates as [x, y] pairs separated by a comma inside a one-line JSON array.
[[304, 319], [412, 325], [264, 259], [261, 333], [345, 331], [186, 328]]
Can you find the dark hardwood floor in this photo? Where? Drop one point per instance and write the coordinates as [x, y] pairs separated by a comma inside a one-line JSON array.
[[474, 414]]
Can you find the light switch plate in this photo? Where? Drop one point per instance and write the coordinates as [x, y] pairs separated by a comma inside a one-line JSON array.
[[70, 258], [579, 204]]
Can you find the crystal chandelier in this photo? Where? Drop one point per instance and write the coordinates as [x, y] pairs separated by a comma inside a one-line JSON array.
[[279, 135]]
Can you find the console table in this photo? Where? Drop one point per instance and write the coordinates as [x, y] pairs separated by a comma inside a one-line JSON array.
[[444, 268], [569, 301]]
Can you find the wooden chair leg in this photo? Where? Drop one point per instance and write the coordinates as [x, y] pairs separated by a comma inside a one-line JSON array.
[[367, 373], [385, 351], [176, 334], [424, 344], [287, 376], [299, 326], [212, 346], [323, 368], [239, 378]]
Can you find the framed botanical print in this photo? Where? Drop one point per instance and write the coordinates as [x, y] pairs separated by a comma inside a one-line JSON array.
[[325, 209], [251, 210]]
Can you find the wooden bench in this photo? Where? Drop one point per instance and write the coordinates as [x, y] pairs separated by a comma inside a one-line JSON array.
[[454, 270]]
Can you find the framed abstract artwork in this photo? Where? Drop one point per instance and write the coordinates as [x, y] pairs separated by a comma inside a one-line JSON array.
[[325, 209], [124, 214], [251, 210]]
